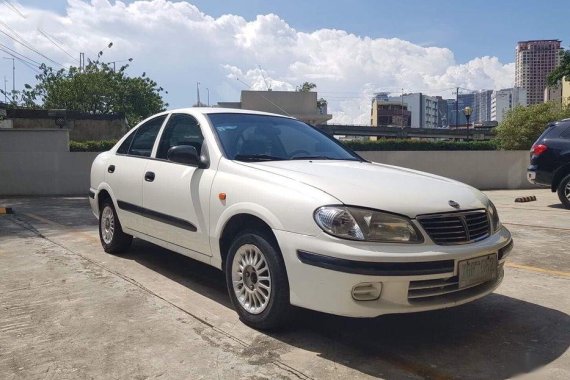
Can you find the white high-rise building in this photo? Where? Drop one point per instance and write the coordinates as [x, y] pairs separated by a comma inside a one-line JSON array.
[[482, 106], [506, 99]]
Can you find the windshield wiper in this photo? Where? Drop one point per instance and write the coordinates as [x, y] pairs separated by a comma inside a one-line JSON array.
[[320, 158], [256, 157]]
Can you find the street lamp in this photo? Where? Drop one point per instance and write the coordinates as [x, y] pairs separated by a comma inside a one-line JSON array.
[[467, 111]]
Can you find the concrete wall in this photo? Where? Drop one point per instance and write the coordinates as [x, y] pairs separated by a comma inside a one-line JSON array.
[[45, 173], [38, 162], [34, 140], [481, 169], [79, 130]]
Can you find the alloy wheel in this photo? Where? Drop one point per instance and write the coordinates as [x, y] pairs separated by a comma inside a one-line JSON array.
[[107, 224], [251, 278]]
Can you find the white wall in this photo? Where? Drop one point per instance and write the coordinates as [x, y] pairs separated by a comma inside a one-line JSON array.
[[36, 162], [481, 169]]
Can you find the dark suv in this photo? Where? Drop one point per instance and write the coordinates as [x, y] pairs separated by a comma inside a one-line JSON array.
[[550, 160]]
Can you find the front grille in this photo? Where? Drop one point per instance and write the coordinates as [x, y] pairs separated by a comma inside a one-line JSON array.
[[447, 290], [457, 227]]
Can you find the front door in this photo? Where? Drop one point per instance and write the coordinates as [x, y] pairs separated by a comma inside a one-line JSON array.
[[176, 195]]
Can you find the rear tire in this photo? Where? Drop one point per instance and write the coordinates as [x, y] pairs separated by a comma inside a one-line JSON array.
[[257, 281], [564, 191], [111, 234]]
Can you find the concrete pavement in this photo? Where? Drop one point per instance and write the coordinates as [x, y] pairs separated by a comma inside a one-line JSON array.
[[68, 310]]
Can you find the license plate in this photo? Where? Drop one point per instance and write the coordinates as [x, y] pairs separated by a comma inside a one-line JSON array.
[[478, 270]]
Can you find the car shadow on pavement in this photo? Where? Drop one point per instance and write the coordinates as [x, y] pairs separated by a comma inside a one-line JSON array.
[[559, 206], [202, 278], [496, 337]]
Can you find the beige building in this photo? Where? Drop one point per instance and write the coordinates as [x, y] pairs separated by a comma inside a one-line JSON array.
[[553, 94], [534, 61], [389, 114], [566, 92], [301, 105]]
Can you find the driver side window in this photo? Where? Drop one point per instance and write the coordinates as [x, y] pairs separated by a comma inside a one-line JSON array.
[[181, 129]]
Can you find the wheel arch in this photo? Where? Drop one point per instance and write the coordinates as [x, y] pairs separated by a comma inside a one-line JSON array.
[[560, 173], [238, 223]]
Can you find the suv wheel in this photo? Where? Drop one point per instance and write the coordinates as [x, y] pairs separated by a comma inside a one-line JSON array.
[[112, 237], [257, 281], [564, 191]]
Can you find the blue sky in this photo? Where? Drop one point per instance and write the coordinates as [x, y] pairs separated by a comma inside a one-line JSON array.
[[469, 28], [350, 49]]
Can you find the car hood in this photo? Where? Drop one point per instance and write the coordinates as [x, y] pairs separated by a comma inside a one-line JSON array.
[[378, 186]]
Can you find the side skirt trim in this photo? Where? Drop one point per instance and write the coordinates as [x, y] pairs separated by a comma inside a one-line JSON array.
[[158, 216]]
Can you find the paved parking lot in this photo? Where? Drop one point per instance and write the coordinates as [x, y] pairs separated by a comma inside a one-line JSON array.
[[68, 310]]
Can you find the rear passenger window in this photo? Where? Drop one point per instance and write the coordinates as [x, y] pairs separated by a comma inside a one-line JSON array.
[[145, 136], [181, 129], [565, 134], [124, 148]]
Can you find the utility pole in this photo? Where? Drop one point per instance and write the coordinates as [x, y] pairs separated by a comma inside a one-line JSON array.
[[198, 94], [13, 74], [402, 105], [456, 107], [81, 62], [5, 95], [208, 91]]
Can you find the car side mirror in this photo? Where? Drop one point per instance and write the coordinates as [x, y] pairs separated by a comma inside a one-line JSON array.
[[186, 154]]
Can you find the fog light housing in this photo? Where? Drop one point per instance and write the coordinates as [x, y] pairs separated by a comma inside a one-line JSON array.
[[367, 291]]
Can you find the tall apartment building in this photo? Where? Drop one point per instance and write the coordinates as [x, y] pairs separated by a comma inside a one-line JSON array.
[[482, 106], [455, 107], [504, 100], [534, 61], [425, 109]]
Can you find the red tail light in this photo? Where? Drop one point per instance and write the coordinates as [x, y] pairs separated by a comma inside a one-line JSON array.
[[537, 150]]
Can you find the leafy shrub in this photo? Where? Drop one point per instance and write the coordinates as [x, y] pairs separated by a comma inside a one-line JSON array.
[[91, 146], [402, 144], [523, 125]]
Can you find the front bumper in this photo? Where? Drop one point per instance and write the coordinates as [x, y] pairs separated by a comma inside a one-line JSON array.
[[93, 202], [323, 272]]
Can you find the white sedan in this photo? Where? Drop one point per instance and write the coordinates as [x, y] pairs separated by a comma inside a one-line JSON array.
[[295, 218]]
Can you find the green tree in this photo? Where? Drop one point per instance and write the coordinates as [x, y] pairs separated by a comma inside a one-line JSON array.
[[523, 125], [306, 87], [97, 89], [561, 71]]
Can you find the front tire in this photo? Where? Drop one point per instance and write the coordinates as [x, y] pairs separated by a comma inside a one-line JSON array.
[[564, 191], [257, 281], [111, 234]]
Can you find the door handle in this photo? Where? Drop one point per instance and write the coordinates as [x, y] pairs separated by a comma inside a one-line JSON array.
[[111, 169], [149, 176]]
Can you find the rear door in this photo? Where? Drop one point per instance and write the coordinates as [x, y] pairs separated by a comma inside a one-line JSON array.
[[125, 171], [177, 197]]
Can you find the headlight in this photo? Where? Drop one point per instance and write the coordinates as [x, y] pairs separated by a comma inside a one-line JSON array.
[[364, 224], [494, 217]]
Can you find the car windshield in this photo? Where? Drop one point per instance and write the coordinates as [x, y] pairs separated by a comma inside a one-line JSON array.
[[247, 137]]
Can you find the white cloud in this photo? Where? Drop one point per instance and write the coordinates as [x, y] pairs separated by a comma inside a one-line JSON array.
[[177, 45]]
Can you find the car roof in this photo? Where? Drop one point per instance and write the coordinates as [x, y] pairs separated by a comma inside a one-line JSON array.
[[214, 110]]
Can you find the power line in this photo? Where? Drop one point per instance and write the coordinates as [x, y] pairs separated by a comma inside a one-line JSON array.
[[25, 43], [54, 43], [37, 64], [27, 64], [13, 7]]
